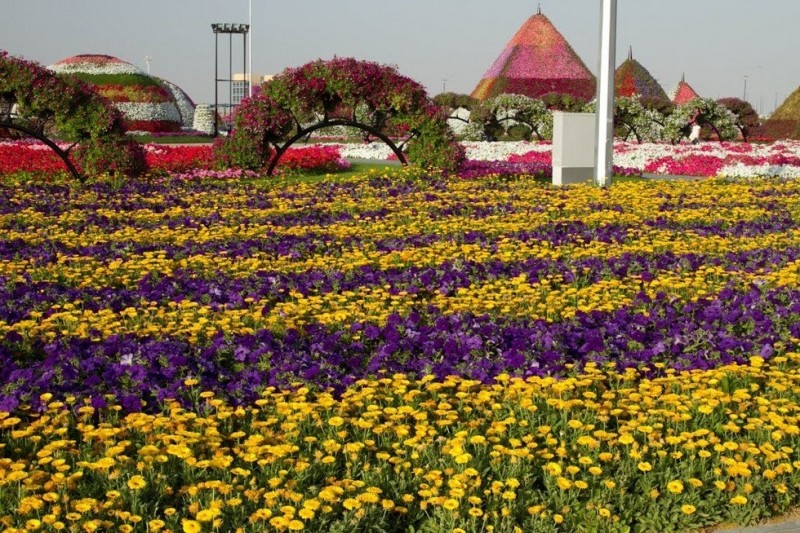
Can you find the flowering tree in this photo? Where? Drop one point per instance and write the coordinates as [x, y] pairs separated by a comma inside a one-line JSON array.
[[340, 92], [712, 115], [497, 116], [634, 117], [745, 116], [452, 102], [51, 107]]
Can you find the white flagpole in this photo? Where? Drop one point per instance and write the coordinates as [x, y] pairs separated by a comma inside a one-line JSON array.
[[605, 93], [250, 46]]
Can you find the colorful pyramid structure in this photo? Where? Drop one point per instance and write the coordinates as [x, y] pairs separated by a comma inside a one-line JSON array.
[[785, 121], [537, 61], [682, 93], [633, 79]]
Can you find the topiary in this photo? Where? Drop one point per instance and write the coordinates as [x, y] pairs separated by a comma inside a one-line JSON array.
[[50, 107], [745, 117], [338, 92]]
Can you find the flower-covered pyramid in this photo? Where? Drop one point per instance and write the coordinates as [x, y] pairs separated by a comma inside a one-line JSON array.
[[785, 121], [147, 103], [632, 79], [682, 93], [535, 62]]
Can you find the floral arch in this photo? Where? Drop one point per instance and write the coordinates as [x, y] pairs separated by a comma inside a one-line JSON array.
[[51, 107], [364, 95]]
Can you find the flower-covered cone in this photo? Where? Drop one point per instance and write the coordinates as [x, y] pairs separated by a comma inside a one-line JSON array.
[[632, 79], [682, 93], [537, 61]]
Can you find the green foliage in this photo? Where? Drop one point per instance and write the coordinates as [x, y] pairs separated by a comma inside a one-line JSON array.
[[241, 151], [453, 101], [111, 155], [125, 80], [433, 146], [563, 102]]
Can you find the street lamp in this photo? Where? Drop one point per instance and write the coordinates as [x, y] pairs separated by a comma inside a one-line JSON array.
[[229, 29], [745, 89]]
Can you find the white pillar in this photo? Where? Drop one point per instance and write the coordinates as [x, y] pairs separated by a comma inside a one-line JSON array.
[[605, 93], [250, 46]]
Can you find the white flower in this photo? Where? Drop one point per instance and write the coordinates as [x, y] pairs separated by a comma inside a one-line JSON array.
[[149, 111]]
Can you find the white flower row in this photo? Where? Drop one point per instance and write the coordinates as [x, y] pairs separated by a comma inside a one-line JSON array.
[[95, 68], [500, 151], [149, 111], [628, 155], [741, 170], [373, 150]]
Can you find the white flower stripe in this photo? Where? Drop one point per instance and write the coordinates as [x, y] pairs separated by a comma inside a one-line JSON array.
[[149, 111]]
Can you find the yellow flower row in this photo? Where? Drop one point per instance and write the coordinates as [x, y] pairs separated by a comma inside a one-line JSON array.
[[548, 299], [601, 446]]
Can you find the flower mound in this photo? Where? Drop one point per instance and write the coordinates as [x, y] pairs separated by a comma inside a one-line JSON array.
[[148, 104]]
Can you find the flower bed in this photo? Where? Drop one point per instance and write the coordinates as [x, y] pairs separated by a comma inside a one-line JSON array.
[[36, 158], [731, 160], [398, 350]]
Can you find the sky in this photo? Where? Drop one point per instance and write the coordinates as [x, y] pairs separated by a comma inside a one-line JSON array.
[[722, 46]]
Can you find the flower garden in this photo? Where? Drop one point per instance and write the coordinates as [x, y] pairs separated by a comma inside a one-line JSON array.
[[192, 346], [396, 350]]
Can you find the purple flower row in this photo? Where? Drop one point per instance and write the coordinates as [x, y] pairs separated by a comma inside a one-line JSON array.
[[18, 299], [725, 328]]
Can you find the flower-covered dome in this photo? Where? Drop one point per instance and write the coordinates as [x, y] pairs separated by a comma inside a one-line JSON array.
[[147, 103], [632, 79], [537, 61], [682, 93]]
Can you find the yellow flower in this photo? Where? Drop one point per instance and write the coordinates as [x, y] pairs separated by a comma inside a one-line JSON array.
[[645, 466], [336, 421], [558, 519], [191, 526], [136, 483], [688, 509], [675, 487], [296, 525], [205, 515], [450, 504], [739, 500], [554, 469], [605, 513]]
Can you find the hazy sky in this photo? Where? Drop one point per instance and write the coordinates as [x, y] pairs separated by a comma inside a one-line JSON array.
[[437, 42]]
